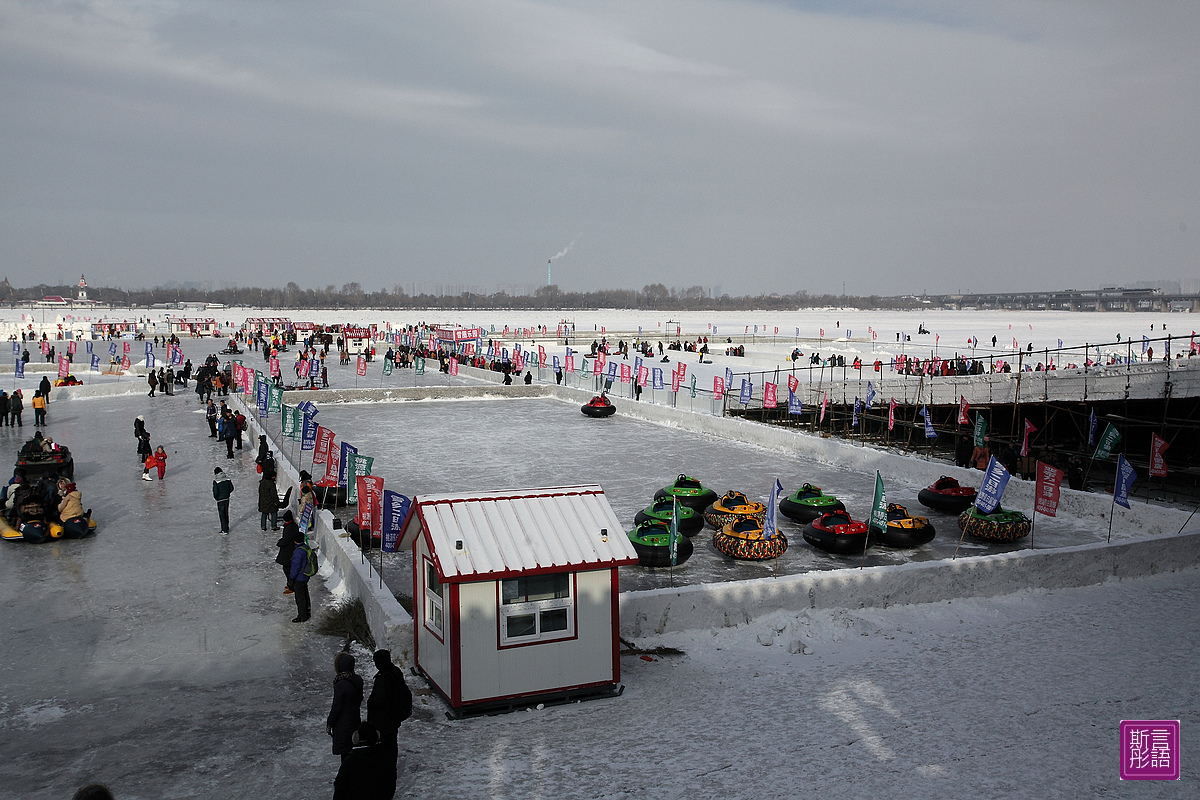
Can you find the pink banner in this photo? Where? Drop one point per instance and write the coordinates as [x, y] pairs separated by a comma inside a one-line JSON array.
[[71, 347], [126, 346], [570, 363], [626, 373], [1046, 495], [718, 385], [454, 365], [892, 414], [542, 357], [370, 492], [674, 381], [643, 375], [769, 391], [1158, 456], [682, 369], [62, 366]]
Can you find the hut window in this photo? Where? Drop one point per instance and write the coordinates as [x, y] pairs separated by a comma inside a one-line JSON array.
[[537, 608], [434, 615]]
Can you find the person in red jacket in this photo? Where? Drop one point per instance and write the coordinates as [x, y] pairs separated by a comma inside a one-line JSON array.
[[160, 461]]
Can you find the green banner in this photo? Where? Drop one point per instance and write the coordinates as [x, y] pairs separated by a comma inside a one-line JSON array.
[[356, 465], [288, 422], [1108, 442], [693, 385], [879, 507], [980, 428], [387, 366], [419, 363], [274, 399]]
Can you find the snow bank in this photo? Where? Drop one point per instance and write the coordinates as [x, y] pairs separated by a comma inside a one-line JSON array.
[[710, 606], [350, 573]]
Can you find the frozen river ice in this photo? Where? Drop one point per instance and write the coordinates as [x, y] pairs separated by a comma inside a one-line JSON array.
[[479, 445]]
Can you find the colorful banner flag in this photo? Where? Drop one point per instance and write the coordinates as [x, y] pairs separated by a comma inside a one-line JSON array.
[[287, 422], [125, 346], [262, 397], [95, 363], [454, 365], [1158, 456], [395, 510], [892, 414], [718, 386], [369, 492], [275, 373], [980, 429], [879, 518], [657, 377], [126, 365], [1093, 425], [308, 433], [674, 381], [19, 368], [1049, 479], [63, 369], [1125, 478], [360, 367], [824, 406], [673, 533], [612, 371], [1108, 442], [794, 404], [306, 517], [930, 433], [747, 392], [346, 451], [71, 347], [771, 520], [274, 398], [1030, 429], [150, 362], [419, 365], [854, 418], [728, 379], [995, 479], [769, 390], [793, 383], [963, 408]]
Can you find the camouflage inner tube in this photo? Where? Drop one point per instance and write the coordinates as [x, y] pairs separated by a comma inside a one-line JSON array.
[[999, 526], [732, 507], [744, 540]]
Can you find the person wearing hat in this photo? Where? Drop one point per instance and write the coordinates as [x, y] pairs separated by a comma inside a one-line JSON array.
[[15, 406], [363, 774], [287, 548], [222, 489], [344, 719], [389, 705]]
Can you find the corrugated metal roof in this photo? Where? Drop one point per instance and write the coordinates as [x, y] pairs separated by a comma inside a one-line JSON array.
[[522, 531]]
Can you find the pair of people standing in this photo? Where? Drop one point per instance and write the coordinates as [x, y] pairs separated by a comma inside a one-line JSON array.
[[369, 750]]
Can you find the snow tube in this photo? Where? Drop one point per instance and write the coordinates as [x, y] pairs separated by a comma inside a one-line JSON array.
[[946, 495], [903, 529], [689, 492], [329, 496], [999, 526], [808, 503], [836, 533], [598, 407], [732, 507], [690, 522], [652, 542], [38, 531], [743, 540]]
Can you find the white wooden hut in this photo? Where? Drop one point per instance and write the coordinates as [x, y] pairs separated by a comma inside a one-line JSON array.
[[515, 595]]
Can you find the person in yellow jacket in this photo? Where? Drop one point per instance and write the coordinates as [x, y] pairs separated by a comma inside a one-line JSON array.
[[39, 409]]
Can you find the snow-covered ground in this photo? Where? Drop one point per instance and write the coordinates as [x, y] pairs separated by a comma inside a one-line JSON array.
[[159, 657]]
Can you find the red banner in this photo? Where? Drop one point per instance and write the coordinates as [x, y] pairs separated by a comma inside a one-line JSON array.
[[769, 390], [682, 369], [274, 367], [125, 363], [1158, 456], [598, 364], [626, 374], [361, 369], [718, 385], [892, 414], [569, 363], [542, 358], [303, 368], [71, 348], [370, 492], [454, 365], [675, 380], [125, 345], [1030, 428], [963, 408], [324, 442], [1046, 495], [793, 384], [643, 375], [332, 465], [62, 366]]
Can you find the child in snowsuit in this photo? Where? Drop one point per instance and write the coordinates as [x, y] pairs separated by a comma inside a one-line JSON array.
[[160, 461]]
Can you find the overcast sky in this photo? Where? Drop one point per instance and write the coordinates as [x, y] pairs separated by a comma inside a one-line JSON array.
[[757, 146]]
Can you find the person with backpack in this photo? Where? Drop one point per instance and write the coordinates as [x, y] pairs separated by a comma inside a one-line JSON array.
[[304, 566], [389, 705], [222, 489]]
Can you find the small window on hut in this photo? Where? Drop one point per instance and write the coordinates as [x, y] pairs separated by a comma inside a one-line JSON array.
[[536, 609], [434, 615]]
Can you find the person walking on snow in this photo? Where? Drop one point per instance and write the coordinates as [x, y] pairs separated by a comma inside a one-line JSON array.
[[152, 380], [160, 462], [222, 489]]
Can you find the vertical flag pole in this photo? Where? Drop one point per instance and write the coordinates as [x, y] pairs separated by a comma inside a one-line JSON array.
[[1111, 511]]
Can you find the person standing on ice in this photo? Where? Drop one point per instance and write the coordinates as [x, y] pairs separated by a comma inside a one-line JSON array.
[[344, 716], [44, 388], [160, 462], [15, 407], [210, 414], [389, 705], [288, 540], [299, 586], [222, 489]]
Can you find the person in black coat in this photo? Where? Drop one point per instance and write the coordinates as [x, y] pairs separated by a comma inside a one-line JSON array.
[[363, 774], [287, 547], [44, 387], [389, 705], [344, 719]]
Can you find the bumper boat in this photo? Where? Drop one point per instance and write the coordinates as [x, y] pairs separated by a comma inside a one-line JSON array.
[[52, 466], [743, 540], [837, 533], [808, 503], [689, 492], [652, 541], [903, 529], [945, 494], [598, 406], [732, 507], [690, 521], [38, 531], [999, 526]]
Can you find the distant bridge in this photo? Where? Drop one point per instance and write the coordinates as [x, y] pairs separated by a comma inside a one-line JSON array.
[[1112, 299]]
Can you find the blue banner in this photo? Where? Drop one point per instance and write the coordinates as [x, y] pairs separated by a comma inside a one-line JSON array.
[[149, 348], [95, 363], [770, 522], [88, 345], [347, 449], [20, 368], [504, 354], [1125, 478], [150, 360], [17, 348], [794, 404], [1093, 424], [656, 373], [261, 397], [994, 482], [930, 433], [612, 371], [306, 517], [854, 419], [395, 510], [870, 394], [747, 391], [1145, 343], [308, 433], [555, 363], [637, 365], [728, 379], [308, 408], [112, 349]]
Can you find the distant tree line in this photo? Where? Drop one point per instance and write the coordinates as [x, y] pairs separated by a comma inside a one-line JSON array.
[[352, 296]]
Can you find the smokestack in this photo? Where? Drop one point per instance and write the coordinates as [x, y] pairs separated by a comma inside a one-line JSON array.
[[549, 261]]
